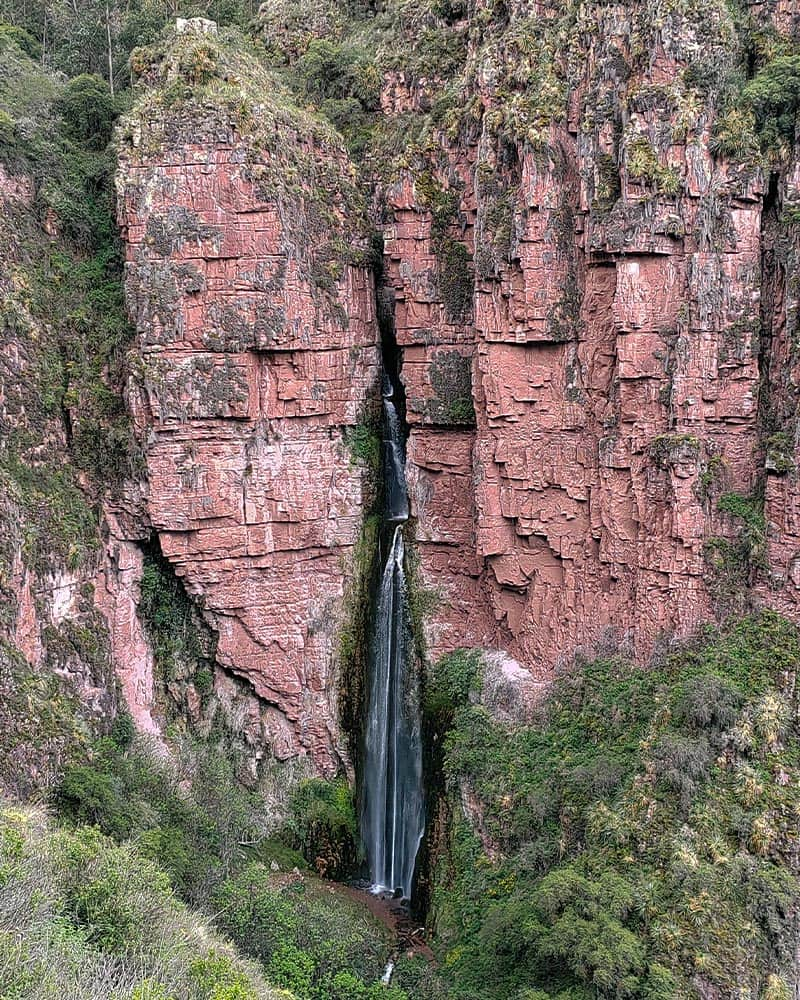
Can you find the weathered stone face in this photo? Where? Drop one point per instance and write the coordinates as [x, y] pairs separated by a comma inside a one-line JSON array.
[[587, 311], [615, 334], [249, 373]]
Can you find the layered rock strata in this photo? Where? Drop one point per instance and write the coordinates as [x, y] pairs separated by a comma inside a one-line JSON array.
[[591, 301], [257, 352], [626, 307]]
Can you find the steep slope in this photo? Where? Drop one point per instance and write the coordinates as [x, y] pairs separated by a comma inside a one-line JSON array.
[[83, 917], [257, 355]]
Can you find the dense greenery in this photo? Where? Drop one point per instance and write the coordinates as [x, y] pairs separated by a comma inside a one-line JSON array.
[[214, 846], [641, 831], [63, 305], [96, 37], [82, 917]]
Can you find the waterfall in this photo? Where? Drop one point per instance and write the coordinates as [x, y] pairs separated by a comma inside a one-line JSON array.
[[393, 813]]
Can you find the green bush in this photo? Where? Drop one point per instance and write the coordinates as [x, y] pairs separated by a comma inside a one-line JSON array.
[[83, 917], [774, 95], [634, 829], [88, 110], [305, 935], [292, 968], [18, 36], [333, 71], [448, 686], [196, 837], [324, 825], [218, 979]]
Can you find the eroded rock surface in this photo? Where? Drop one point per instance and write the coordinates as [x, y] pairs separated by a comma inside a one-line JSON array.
[[591, 301], [630, 304], [257, 351]]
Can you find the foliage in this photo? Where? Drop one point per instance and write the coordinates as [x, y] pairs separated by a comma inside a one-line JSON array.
[[81, 916], [448, 686], [454, 273], [64, 308], [131, 794], [643, 164], [634, 829], [316, 944], [168, 615], [324, 825], [88, 109], [774, 95], [364, 444], [40, 725], [780, 453]]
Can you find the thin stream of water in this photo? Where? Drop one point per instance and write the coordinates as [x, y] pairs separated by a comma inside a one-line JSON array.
[[393, 812]]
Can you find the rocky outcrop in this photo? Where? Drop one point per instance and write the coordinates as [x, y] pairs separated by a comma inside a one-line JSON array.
[[609, 493], [590, 298], [257, 353]]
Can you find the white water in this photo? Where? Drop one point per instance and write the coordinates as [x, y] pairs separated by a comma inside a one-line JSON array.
[[393, 816]]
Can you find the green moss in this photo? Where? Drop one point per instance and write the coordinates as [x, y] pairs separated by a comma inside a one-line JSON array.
[[364, 445], [670, 449], [454, 263], [60, 526], [780, 454], [450, 374], [41, 723], [608, 187], [170, 620], [711, 476], [353, 640]]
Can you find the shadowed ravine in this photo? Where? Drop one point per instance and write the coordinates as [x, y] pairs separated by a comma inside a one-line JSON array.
[[393, 816]]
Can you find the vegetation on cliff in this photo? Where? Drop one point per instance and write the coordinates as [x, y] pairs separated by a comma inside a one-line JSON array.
[[83, 917], [639, 838]]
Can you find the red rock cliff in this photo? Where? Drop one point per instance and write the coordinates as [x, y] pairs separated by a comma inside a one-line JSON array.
[[628, 335], [257, 350], [590, 295]]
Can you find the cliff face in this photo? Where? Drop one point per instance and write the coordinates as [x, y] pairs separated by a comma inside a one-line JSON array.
[[630, 337], [588, 271], [588, 289], [256, 354]]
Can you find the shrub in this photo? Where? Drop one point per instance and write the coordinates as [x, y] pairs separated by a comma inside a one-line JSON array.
[[88, 110], [324, 825], [292, 968], [18, 36], [708, 702], [635, 825], [448, 686], [333, 71], [218, 979], [774, 94]]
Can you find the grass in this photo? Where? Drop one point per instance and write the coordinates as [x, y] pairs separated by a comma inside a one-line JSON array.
[[81, 916]]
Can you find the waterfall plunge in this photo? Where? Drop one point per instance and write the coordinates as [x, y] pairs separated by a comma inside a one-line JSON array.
[[393, 817]]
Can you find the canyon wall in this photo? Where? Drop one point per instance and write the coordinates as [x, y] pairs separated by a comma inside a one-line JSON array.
[[591, 286], [631, 345], [256, 352], [594, 321]]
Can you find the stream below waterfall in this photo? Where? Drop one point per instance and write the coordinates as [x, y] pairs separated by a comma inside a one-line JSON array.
[[393, 808]]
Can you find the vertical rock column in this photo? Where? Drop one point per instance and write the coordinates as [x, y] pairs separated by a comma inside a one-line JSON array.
[[256, 351]]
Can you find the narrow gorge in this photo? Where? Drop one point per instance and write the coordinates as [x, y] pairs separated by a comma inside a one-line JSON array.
[[399, 451]]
